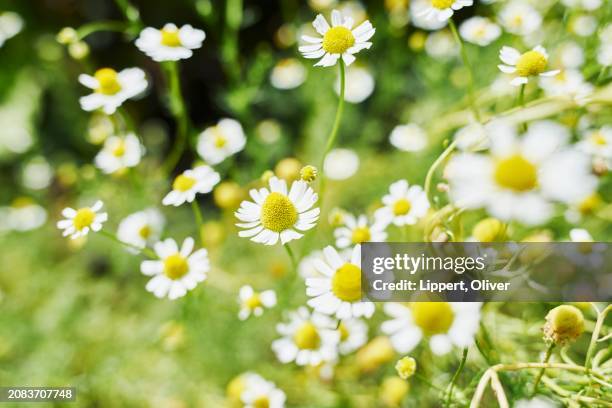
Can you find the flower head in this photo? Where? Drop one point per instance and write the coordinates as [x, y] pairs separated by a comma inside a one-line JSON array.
[[119, 153], [79, 222], [529, 64], [186, 185], [353, 334], [176, 271], [406, 367], [288, 73], [479, 30], [171, 43], [408, 138], [339, 40], [252, 302], [276, 213], [11, 24], [309, 173], [564, 324], [216, 143], [357, 230], [261, 393], [338, 292], [141, 228], [404, 205], [112, 88], [519, 17], [442, 10]]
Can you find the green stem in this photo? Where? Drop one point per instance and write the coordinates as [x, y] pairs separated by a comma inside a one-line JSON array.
[[601, 317], [602, 75], [198, 217], [331, 139], [449, 397], [177, 107], [130, 12], [291, 256], [434, 167], [521, 103], [229, 49], [146, 251], [541, 373], [466, 62], [94, 27]]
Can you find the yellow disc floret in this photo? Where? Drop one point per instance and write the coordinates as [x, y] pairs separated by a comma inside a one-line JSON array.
[[253, 302], [401, 207], [516, 173], [406, 367], [564, 324], [278, 212], [531, 63], [144, 232], [360, 234], [344, 333], [261, 402], [175, 266], [432, 317], [346, 283], [83, 218], [108, 83], [183, 183], [119, 149], [442, 4], [307, 337], [170, 37], [488, 230], [338, 39]]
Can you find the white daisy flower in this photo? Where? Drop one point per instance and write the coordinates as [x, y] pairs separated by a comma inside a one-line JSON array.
[[119, 153], [277, 214], [571, 55], [568, 83], [532, 63], [479, 30], [261, 393], [359, 84], [441, 45], [586, 252], [404, 205], [176, 271], [356, 230], [79, 222], [10, 25], [521, 177], [252, 302], [520, 17], [288, 73], [408, 138], [340, 164], [583, 25], [307, 268], [339, 291], [418, 17], [200, 180], [353, 335], [216, 143], [339, 40], [22, 215], [442, 10], [141, 228], [112, 88], [472, 137], [597, 143], [444, 324], [170, 43], [308, 339]]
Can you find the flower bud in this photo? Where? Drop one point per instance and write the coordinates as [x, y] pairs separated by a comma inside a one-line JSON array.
[[393, 390], [406, 367], [489, 230], [67, 35], [228, 195], [288, 169], [309, 173], [564, 324]]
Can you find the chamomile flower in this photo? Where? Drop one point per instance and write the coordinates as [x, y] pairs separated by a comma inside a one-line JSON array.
[[216, 143], [177, 270], [199, 180], [356, 230], [359, 84], [288, 73], [479, 30], [529, 64], [340, 164], [10, 25], [408, 138], [444, 324], [442, 10], [338, 40], [404, 205], [276, 214], [171, 43], [141, 228], [472, 137], [119, 153], [520, 17], [598, 143], [22, 215], [112, 88], [419, 18], [339, 291], [252, 302], [79, 222], [521, 177], [308, 339], [353, 335], [263, 393], [567, 83]]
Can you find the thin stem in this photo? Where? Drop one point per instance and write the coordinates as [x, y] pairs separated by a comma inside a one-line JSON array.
[[521, 103], [434, 167], [94, 27], [113, 237], [197, 213], [449, 397], [467, 64], [601, 317], [541, 373], [129, 11], [331, 139], [498, 389], [177, 107], [602, 75], [291, 256]]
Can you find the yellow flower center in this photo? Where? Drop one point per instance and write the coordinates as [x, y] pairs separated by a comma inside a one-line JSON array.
[[170, 37], [344, 333], [107, 81], [145, 232], [599, 139], [83, 218], [337, 40], [517, 21], [360, 234], [253, 302], [261, 402], [175, 266], [516, 173], [531, 63], [488, 230], [220, 140], [307, 337], [119, 149], [346, 283], [278, 212], [401, 207], [183, 183], [589, 204], [432, 317], [442, 4]]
